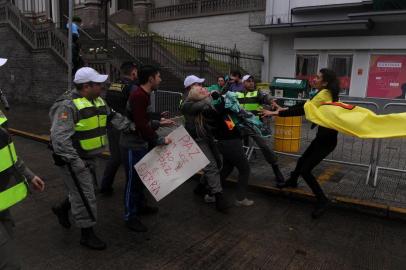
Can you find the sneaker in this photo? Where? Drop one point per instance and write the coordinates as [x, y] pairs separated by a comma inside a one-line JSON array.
[[90, 240], [62, 215], [136, 225], [245, 202], [321, 208], [290, 183], [209, 198], [148, 210]]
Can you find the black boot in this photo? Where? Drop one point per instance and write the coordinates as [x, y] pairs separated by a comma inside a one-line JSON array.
[[221, 203], [62, 213], [291, 182], [278, 175], [136, 225], [321, 207], [89, 239]]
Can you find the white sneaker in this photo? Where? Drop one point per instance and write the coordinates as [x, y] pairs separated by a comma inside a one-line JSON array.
[[209, 198], [245, 202]]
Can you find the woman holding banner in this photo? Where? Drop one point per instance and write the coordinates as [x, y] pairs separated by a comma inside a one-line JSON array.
[[324, 143]]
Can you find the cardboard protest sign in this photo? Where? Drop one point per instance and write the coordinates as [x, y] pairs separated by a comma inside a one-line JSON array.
[[165, 168]]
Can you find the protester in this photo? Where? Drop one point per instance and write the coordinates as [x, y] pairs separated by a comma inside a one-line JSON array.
[[235, 81], [218, 86], [137, 146], [199, 122], [324, 143], [230, 146], [189, 82]]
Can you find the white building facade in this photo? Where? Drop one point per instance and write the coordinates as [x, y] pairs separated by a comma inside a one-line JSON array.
[[366, 46]]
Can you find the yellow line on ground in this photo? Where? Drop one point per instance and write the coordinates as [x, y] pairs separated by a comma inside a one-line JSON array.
[[329, 172]]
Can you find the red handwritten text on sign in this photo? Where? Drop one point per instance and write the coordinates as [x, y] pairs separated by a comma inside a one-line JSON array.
[[166, 167]]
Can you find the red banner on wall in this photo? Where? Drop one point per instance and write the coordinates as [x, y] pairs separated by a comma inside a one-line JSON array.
[[387, 75]]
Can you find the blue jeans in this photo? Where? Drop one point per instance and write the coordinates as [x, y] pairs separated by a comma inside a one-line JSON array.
[[134, 198]]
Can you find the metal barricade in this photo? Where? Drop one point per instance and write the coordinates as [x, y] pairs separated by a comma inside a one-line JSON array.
[[349, 150], [391, 154], [166, 101]]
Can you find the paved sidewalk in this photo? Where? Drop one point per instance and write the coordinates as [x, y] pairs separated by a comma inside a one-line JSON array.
[[275, 233]]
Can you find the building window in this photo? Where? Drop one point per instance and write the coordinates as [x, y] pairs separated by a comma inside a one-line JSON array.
[[342, 66], [306, 66]]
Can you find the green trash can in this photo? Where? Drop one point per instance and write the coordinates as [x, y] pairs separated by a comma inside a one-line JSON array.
[[288, 129], [289, 88]]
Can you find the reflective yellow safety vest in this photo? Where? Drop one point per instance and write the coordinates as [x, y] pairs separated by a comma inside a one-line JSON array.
[[90, 130], [3, 119], [249, 101], [13, 186]]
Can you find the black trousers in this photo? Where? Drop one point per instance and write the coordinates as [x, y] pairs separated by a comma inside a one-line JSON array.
[[115, 160], [319, 148], [234, 156]]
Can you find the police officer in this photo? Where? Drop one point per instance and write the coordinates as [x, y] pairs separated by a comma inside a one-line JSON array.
[[117, 97], [13, 189], [251, 100], [78, 133]]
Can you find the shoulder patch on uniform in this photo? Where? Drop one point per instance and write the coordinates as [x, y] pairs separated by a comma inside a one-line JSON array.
[[116, 87], [63, 116]]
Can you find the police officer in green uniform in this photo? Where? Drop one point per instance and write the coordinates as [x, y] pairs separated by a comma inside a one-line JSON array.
[[13, 189], [78, 134], [116, 97], [251, 100]]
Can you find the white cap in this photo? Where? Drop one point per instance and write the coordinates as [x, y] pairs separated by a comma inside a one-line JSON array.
[[87, 74], [191, 79], [2, 61], [246, 77]]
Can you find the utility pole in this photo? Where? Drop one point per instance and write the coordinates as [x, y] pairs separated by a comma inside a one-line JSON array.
[[70, 45], [106, 23]]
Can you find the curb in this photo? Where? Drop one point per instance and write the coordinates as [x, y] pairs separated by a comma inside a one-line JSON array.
[[377, 209]]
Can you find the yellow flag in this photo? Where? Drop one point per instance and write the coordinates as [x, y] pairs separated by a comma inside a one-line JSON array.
[[355, 120]]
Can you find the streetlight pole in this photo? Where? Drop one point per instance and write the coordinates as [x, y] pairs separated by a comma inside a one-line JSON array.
[[70, 45], [106, 24]]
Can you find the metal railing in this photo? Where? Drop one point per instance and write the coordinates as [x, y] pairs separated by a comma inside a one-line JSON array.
[[48, 38], [205, 8], [391, 153], [350, 150], [166, 101], [183, 56]]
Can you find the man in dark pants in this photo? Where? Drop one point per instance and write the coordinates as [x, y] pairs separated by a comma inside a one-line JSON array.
[[136, 146], [117, 97]]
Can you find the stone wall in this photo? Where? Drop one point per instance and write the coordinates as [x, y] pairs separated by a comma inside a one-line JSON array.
[[29, 76]]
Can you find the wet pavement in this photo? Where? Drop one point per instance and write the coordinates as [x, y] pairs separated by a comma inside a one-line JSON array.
[[275, 233]]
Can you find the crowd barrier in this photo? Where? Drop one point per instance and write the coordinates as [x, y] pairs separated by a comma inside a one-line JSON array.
[[374, 154]]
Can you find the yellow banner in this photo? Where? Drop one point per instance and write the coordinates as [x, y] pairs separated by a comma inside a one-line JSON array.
[[356, 121]]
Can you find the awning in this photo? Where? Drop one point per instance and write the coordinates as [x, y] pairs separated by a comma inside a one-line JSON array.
[[315, 26]]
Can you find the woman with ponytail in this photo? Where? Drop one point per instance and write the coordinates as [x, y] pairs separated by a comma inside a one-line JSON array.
[[324, 143]]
